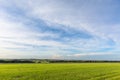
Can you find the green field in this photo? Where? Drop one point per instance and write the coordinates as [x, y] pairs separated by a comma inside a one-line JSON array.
[[65, 71]]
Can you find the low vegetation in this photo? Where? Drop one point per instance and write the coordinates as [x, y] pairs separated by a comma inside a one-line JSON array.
[[60, 71]]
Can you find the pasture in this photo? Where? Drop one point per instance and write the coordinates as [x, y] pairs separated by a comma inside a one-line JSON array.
[[60, 71]]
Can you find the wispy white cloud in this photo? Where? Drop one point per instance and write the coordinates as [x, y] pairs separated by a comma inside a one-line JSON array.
[[89, 54], [64, 27]]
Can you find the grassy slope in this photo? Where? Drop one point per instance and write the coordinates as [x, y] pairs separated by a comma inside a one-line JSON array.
[[82, 71]]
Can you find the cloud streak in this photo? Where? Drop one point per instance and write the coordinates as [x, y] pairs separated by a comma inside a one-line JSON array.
[[59, 28]]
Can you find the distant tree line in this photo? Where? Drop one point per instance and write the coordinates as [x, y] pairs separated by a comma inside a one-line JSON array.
[[53, 61]]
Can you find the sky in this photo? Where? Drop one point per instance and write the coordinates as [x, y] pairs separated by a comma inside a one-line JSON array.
[[60, 29]]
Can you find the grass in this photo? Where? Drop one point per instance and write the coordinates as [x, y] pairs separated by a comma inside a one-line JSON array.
[[65, 71]]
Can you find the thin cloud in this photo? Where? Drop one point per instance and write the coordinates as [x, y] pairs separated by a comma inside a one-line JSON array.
[[62, 27]]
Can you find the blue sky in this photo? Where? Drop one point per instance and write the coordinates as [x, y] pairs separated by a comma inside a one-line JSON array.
[[60, 29]]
